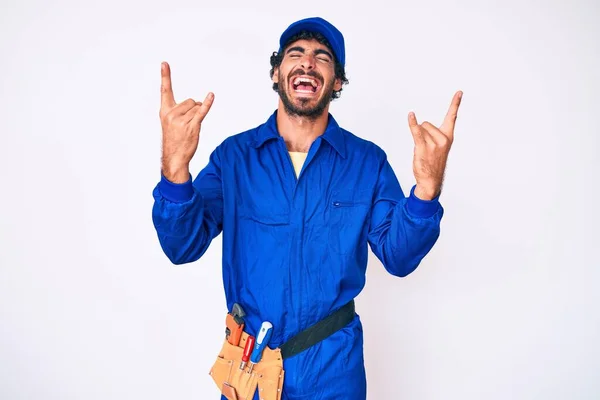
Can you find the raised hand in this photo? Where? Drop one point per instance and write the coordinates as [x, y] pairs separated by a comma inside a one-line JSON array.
[[432, 146], [180, 129]]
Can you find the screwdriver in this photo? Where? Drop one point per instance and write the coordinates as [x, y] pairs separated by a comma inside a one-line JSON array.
[[266, 329], [247, 351]]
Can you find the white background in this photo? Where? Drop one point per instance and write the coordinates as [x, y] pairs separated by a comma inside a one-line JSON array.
[[504, 307]]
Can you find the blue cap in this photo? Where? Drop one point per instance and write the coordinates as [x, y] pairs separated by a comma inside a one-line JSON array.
[[316, 24]]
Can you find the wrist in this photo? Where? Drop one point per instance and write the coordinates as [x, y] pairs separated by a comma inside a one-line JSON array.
[[422, 208], [177, 173], [427, 192]]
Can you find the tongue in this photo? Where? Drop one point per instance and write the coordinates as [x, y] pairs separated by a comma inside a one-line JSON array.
[[305, 87]]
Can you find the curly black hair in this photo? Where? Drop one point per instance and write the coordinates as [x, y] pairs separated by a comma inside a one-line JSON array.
[[339, 69]]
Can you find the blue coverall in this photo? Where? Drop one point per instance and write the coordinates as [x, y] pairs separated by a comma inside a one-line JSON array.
[[295, 249]]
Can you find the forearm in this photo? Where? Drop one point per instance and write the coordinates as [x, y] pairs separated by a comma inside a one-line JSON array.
[[407, 234], [184, 223]]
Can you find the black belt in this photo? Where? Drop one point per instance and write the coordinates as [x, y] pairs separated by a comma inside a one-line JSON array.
[[319, 331]]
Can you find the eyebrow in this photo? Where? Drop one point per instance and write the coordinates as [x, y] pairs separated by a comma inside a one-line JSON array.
[[317, 52]]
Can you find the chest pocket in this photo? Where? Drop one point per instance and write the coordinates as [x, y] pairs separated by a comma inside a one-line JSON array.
[[263, 207], [259, 193], [348, 211], [264, 211], [263, 227]]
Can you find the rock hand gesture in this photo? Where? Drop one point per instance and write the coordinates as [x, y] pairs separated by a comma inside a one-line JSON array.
[[432, 146], [180, 129]]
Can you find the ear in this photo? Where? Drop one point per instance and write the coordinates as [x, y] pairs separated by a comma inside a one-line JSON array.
[[337, 85], [275, 75]]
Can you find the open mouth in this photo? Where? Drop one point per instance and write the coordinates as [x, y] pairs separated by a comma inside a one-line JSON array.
[[305, 84]]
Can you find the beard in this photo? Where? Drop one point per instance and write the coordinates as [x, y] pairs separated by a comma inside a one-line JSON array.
[[304, 109]]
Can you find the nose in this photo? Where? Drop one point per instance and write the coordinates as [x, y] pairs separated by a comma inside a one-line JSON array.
[[308, 61]]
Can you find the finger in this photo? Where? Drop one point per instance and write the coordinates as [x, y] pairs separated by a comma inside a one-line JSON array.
[[415, 129], [166, 89], [204, 108], [450, 120], [436, 136], [183, 107], [191, 113]]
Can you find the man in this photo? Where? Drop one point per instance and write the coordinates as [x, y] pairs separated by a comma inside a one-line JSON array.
[[299, 200]]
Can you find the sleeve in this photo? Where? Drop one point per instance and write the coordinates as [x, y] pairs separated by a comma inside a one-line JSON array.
[[402, 229], [188, 216]]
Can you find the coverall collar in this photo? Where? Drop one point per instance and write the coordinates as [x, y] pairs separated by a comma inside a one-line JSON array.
[[333, 134]]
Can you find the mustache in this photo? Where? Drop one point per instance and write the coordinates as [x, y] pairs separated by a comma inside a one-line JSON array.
[[313, 74]]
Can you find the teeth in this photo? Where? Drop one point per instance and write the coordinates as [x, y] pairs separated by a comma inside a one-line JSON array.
[[305, 80]]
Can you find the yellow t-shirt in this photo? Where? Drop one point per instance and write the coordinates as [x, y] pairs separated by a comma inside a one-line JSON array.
[[298, 159]]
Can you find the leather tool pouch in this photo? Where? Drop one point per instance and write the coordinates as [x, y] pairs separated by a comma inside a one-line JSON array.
[[236, 384], [268, 374]]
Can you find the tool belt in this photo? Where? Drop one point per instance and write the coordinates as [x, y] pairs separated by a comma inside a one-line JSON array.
[[268, 374]]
